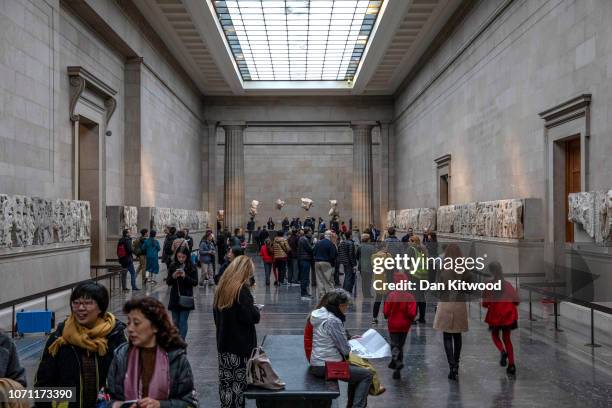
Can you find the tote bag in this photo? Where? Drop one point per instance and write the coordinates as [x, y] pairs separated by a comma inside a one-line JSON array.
[[260, 372]]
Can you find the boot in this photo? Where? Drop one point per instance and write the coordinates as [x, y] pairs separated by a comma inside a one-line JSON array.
[[511, 370], [504, 359], [452, 373]]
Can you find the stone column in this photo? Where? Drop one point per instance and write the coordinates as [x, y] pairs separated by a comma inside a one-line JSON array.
[[362, 174], [384, 196], [233, 180], [209, 169]]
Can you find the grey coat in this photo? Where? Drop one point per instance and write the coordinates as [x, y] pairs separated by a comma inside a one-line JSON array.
[[9, 362], [329, 341], [182, 390]]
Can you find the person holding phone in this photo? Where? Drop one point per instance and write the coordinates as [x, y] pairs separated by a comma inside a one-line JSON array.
[[235, 315], [182, 277], [151, 370]]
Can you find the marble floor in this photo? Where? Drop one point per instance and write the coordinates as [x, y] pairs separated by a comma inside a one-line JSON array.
[[553, 369]]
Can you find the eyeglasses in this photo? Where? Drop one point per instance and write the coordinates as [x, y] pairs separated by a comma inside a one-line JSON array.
[[87, 303]]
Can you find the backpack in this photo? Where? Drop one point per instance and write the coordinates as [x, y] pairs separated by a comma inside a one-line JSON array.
[[121, 250]]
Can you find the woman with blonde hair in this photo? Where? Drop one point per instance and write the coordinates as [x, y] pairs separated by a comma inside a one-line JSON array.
[[235, 319]]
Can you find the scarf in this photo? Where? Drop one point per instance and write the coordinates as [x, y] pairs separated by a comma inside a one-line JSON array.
[[159, 387], [335, 310], [93, 339]]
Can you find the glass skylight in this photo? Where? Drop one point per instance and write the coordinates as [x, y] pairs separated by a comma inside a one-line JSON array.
[[297, 40]]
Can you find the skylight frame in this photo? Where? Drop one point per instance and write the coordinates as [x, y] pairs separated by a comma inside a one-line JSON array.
[[297, 40]]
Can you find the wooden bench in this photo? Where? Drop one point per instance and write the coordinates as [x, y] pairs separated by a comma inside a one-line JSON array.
[[302, 390]]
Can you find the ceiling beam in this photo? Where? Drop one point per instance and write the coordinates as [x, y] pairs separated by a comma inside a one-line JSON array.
[[203, 14], [389, 19]]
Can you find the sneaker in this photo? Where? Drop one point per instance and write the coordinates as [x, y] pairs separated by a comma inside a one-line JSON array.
[[306, 298], [374, 321], [504, 359], [397, 375], [133, 289]]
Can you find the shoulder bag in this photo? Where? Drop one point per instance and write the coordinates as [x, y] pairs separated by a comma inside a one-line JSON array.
[[260, 372]]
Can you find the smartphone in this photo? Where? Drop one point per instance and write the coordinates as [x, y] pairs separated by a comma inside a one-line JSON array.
[[128, 404]]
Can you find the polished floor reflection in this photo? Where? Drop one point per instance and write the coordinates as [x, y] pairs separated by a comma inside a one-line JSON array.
[[554, 369]]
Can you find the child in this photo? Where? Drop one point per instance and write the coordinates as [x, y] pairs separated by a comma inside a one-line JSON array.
[[502, 315], [267, 255], [400, 311]]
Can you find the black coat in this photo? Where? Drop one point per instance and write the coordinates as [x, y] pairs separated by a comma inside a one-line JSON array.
[[236, 332], [184, 284], [127, 242], [64, 370]]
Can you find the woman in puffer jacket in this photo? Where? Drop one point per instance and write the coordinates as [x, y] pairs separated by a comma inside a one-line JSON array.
[[330, 343]]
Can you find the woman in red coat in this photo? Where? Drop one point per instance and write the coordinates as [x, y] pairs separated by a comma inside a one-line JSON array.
[[502, 315], [400, 310]]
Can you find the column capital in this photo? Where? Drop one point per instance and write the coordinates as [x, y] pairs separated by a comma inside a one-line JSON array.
[[211, 122], [236, 123], [363, 123]]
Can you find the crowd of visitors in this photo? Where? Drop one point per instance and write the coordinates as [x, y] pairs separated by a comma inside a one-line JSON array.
[[144, 363]]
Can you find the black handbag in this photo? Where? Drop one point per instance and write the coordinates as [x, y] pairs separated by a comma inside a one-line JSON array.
[[186, 302]]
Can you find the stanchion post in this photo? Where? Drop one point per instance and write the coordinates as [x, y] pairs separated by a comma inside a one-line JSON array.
[[592, 343]]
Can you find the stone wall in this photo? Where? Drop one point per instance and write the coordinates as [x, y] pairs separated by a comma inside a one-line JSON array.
[[171, 135], [483, 108], [294, 162], [592, 210], [27, 221]]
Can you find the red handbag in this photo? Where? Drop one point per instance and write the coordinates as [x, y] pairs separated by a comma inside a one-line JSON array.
[[337, 370]]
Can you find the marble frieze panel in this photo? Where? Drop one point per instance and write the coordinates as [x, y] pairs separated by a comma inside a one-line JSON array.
[[498, 219], [179, 218], [592, 211], [418, 219], [26, 221]]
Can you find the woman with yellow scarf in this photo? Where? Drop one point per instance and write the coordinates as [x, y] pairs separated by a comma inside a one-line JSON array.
[[80, 351]]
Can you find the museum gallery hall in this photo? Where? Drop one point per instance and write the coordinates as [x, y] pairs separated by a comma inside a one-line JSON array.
[[236, 173]]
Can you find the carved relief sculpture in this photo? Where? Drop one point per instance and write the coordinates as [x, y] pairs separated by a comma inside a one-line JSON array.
[[253, 208], [333, 211], [592, 210], [279, 204], [306, 203]]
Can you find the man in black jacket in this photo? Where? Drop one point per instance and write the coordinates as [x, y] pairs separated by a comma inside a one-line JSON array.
[[167, 248], [304, 257], [125, 254]]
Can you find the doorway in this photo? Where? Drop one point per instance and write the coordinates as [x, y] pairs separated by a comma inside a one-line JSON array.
[[443, 189], [89, 185], [572, 181]]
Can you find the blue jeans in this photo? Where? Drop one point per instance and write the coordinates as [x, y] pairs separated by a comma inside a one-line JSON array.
[[130, 268], [179, 317], [268, 270], [304, 276]]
